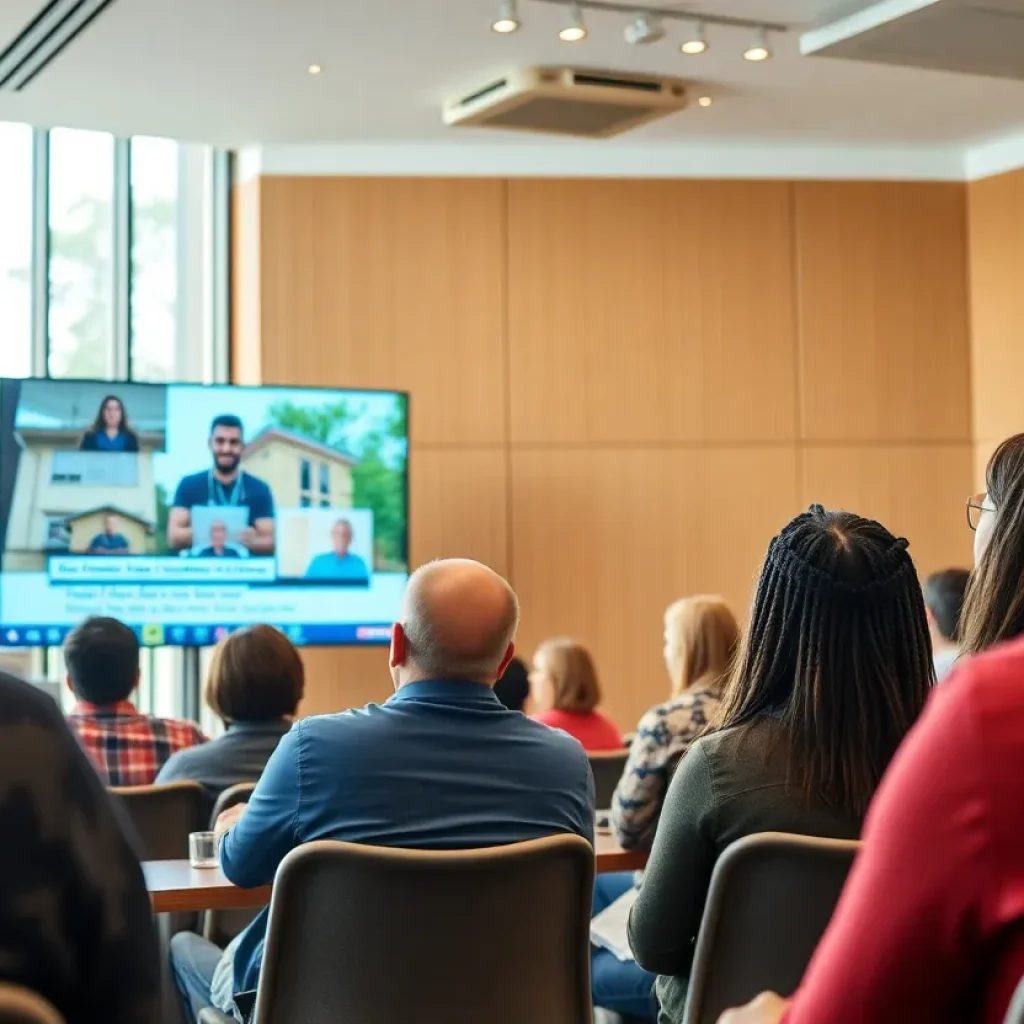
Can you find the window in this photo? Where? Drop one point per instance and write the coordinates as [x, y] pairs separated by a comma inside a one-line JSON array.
[[16, 250], [305, 475], [81, 315], [305, 501], [325, 478], [114, 265], [325, 502], [155, 215]]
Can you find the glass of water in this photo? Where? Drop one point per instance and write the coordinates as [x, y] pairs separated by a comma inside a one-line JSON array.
[[202, 849]]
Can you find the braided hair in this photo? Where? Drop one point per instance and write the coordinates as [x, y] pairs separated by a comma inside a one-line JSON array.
[[994, 605], [837, 652]]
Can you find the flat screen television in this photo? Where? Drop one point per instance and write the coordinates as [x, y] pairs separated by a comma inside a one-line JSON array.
[[188, 511]]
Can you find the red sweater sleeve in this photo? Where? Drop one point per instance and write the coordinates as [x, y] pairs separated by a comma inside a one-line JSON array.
[[904, 942]]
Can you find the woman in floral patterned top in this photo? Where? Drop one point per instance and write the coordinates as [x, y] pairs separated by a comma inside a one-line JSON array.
[[700, 639], [701, 636]]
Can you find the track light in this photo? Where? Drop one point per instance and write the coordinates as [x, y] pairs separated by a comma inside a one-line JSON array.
[[704, 101], [695, 42], [507, 19], [576, 30], [644, 28], [759, 50]]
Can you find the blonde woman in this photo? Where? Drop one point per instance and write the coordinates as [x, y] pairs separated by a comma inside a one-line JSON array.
[[701, 635], [565, 693]]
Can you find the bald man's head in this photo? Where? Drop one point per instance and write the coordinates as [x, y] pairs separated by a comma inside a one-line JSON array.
[[458, 621]]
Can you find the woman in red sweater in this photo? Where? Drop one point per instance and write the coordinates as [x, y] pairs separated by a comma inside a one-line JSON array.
[[565, 694]]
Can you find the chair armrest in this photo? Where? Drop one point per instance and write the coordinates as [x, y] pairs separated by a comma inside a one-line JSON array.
[[211, 1016]]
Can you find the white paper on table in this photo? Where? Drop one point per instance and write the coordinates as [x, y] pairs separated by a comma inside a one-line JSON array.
[[608, 929]]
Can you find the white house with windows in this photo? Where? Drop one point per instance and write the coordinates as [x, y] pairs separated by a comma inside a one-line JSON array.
[[302, 473], [56, 483]]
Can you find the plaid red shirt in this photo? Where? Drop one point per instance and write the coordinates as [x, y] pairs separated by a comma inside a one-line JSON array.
[[129, 748]]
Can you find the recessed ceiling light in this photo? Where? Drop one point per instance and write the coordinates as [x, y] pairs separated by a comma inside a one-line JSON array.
[[507, 20], [758, 50], [314, 69], [704, 101]]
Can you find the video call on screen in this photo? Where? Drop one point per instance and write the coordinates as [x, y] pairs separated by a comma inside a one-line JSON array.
[[188, 510]]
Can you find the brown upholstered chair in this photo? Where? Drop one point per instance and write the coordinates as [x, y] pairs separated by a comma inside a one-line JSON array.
[[499, 935], [771, 897], [221, 926], [163, 816], [23, 1006], [607, 767]]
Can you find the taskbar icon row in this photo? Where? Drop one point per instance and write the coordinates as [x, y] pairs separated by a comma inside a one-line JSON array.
[[203, 635]]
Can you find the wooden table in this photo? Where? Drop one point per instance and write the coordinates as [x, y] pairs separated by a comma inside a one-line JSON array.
[[175, 886]]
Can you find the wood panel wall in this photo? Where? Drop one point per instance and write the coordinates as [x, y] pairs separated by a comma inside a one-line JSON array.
[[997, 312], [622, 389]]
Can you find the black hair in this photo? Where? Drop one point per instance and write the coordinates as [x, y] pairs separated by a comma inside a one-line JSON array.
[[98, 424], [102, 658], [513, 687], [837, 652], [994, 605], [944, 598], [227, 419]]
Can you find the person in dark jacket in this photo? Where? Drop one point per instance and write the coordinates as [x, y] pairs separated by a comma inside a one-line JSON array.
[[513, 687], [75, 920], [255, 684], [834, 670]]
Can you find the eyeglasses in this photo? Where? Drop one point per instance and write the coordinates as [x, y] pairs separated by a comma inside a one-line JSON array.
[[976, 505]]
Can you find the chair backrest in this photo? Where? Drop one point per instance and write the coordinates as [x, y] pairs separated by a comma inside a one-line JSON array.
[[221, 926], [1015, 1011], [239, 793], [770, 900], [163, 816], [23, 1006], [607, 767], [360, 933]]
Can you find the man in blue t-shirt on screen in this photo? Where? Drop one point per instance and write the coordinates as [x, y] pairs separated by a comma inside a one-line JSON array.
[[339, 564], [225, 485]]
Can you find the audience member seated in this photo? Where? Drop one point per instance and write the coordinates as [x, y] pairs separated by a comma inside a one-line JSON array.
[[255, 684], [943, 601], [834, 670], [127, 748], [930, 926], [564, 693], [513, 687], [701, 635], [994, 605], [75, 921], [442, 765]]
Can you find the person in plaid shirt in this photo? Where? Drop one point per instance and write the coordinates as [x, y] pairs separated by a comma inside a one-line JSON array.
[[126, 747]]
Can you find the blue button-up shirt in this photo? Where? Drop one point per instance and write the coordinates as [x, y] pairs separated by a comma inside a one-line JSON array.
[[441, 766]]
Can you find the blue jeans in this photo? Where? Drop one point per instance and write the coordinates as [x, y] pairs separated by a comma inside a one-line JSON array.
[[193, 961], [624, 987]]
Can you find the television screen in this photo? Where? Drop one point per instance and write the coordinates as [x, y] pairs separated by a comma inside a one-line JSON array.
[[188, 510]]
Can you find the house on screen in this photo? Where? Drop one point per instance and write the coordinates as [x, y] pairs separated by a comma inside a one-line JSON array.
[[82, 527], [301, 473]]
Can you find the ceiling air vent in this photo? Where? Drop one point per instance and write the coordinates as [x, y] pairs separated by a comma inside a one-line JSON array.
[[567, 101], [971, 37], [44, 38]]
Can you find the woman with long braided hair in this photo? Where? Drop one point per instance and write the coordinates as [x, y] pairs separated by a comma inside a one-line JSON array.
[[833, 671]]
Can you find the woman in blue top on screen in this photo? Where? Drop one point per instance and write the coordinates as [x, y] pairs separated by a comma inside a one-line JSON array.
[[110, 431], [225, 485], [339, 564]]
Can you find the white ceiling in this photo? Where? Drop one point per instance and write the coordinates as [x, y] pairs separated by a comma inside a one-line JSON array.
[[233, 72]]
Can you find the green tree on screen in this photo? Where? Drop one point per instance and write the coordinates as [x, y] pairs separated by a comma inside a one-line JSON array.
[[377, 483]]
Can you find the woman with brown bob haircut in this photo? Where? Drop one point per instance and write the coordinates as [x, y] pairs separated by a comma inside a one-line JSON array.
[[254, 686], [565, 694]]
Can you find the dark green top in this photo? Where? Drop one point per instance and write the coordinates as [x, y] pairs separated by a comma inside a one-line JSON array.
[[729, 785]]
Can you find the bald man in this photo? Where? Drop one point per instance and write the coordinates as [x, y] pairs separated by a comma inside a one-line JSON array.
[[442, 765]]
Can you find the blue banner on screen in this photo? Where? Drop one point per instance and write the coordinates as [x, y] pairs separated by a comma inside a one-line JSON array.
[[189, 511]]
